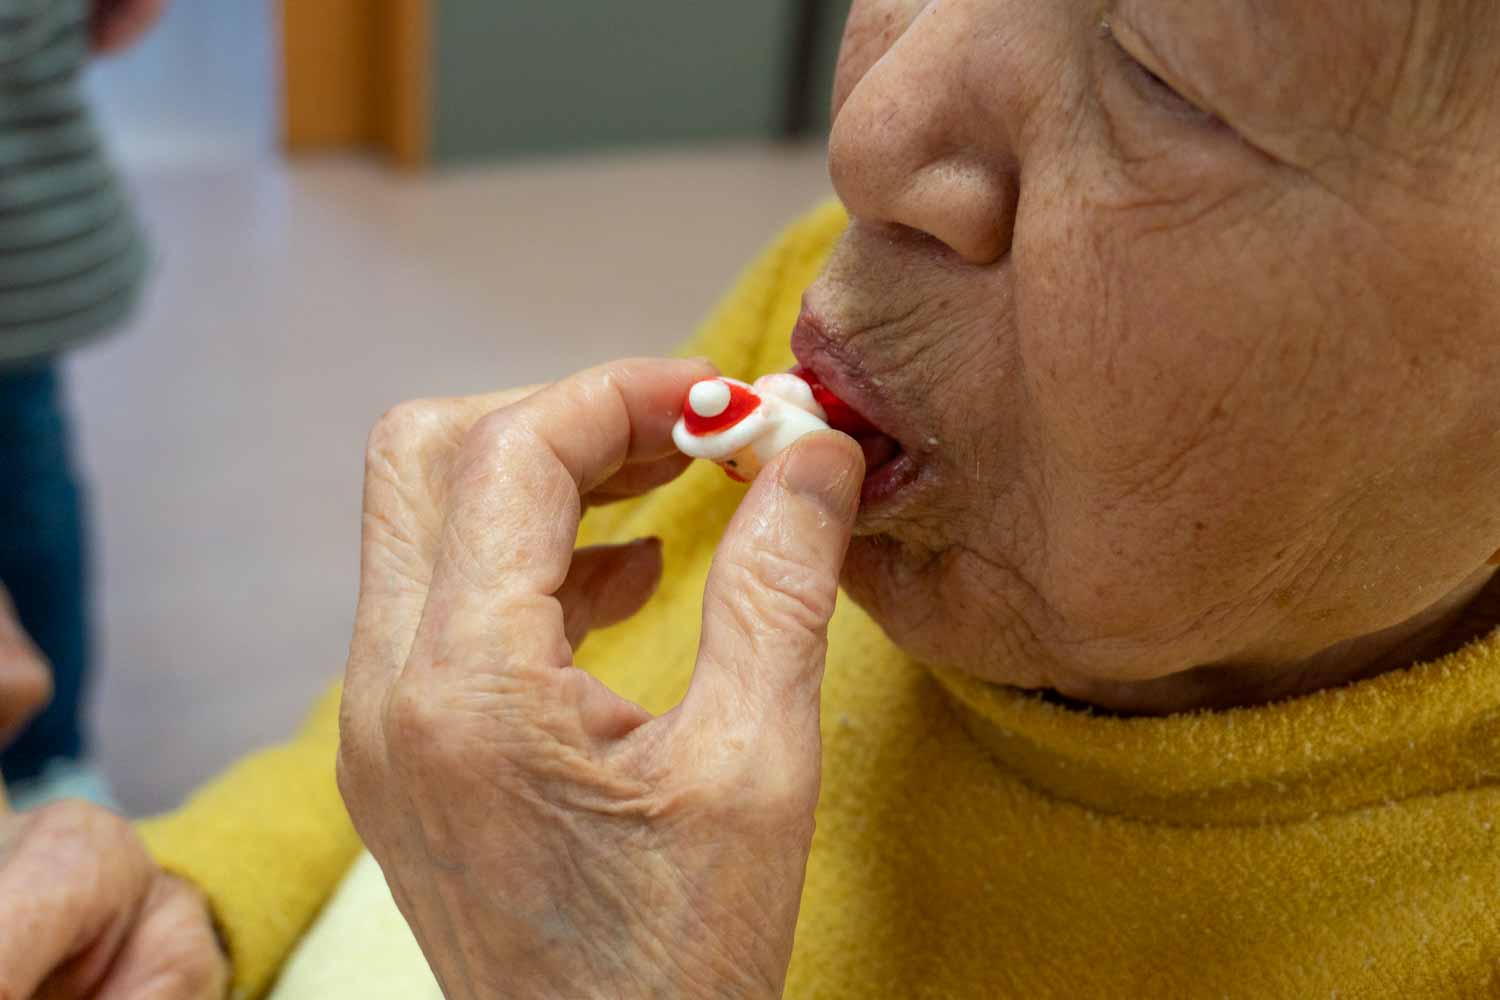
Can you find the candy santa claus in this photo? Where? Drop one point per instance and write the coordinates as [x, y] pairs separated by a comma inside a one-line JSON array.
[[742, 427]]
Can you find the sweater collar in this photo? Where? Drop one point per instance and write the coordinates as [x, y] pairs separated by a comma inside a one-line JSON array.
[[1427, 730]]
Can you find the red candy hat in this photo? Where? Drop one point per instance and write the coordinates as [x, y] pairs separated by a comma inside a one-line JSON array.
[[841, 416], [717, 404], [719, 417]]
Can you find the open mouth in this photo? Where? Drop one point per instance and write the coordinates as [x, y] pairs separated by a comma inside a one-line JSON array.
[[879, 450], [888, 470], [887, 465]]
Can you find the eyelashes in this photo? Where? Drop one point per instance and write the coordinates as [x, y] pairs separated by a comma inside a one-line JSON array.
[[1148, 85]]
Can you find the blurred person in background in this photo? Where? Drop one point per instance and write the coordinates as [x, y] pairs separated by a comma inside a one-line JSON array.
[[72, 262]]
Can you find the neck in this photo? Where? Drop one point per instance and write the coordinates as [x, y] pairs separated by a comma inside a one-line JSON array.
[[1470, 611]]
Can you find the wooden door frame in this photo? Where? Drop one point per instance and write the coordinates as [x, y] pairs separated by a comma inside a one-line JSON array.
[[358, 73]]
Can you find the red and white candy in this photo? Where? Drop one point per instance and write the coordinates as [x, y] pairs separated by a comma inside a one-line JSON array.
[[743, 427]]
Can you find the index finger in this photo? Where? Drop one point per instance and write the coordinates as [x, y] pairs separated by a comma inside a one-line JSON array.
[[515, 499]]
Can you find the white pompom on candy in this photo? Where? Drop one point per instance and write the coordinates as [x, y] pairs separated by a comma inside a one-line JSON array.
[[709, 398]]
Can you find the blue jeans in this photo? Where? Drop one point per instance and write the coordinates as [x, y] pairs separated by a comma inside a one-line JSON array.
[[44, 558]]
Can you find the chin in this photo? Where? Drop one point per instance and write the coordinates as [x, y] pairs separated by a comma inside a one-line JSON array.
[[931, 606], [881, 577]]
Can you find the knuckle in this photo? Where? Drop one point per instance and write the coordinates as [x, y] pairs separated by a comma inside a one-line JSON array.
[[92, 847], [193, 965], [355, 757], [180, 897], [71, 825], [777, 802], [413, 723], [115, 831], [354, 780], [401, 428], [91, 834], [496, 441], [196, 974], [428, 746], [200, 970], [780, 592], [493, 431], [602, 385], [783, 796]]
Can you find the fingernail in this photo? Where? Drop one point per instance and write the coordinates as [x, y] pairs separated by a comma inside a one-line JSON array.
[[822, 467]]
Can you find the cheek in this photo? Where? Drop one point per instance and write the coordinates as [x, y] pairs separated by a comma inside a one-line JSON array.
[[1172, 413], [1148, 350], [873, 27]]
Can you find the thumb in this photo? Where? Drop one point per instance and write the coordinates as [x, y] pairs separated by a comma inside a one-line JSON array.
[[773, 586]]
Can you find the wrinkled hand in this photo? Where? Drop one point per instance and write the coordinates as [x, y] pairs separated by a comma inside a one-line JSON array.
[[84, 913], [83, 910], [119, 24], [543, 836], [25, 681]]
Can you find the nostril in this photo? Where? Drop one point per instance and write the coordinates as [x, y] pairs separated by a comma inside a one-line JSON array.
[[969, 207]]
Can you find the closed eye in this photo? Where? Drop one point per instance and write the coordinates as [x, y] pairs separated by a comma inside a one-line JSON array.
[[1149, 85]]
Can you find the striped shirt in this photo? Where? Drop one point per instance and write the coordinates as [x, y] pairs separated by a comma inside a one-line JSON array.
[[72, 256]]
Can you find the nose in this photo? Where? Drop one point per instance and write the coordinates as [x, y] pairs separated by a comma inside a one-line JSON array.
[[920, 143]]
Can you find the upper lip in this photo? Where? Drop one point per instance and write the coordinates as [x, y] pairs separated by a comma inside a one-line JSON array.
[[842, 372]]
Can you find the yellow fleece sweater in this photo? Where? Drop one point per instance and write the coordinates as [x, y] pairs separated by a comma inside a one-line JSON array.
[[980, 842]]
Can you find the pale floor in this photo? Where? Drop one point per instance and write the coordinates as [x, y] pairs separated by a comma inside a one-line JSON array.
[[222, 435]]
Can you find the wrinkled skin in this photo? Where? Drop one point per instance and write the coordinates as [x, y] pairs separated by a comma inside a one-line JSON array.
[[84, 911], [1217, 363], [1201, 392], [543, 836], [88, 915]]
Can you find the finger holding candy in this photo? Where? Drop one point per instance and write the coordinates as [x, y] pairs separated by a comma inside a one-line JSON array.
[[742, 427]]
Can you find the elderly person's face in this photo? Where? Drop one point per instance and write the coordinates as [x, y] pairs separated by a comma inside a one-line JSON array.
[[1188, 312]]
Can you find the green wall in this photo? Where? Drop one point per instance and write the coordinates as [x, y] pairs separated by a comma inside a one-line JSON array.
[[529, 76], [831, 20]]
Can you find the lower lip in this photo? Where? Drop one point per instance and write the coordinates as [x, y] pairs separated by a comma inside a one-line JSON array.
[[885, 482]]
